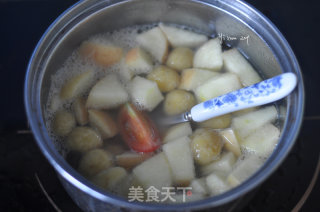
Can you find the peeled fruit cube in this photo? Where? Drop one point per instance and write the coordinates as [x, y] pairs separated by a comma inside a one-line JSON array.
[[230, 142], [83, 139], [216, 184], [107, 93], [219, 122], [209, 56], [109, 179], [199, 186], [182, 38], [77, 85], [80, 111], [194, 77], [206, 145], [244, 169], [129, 160], [217, 86], [178, 101], [235, 63], [148, 173], [179, 130], [145, 93], [180, 58], [246, 124], [155, 42], [166, 78], [102, 121], [102, 54], [94, 161], [63, 123], [262, 141], [180, 160], [139, 61], [223, 166]]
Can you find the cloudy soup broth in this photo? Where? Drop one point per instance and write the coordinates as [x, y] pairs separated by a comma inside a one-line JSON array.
[[100, 104]]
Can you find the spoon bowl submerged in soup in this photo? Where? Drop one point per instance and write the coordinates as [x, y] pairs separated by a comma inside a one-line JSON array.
[[100, 102]]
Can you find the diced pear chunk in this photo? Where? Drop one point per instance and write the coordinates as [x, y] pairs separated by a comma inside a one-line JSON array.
[[176, 131], [217, 184], [192, 78], [129, 160], [217, 86], [223, 166], [244, 169], [182, 38], [180, 160], [107, 93], [102, 121], [148, 173], [83, 139], [230, 142], [80, 111], [180, 58], [77, 85], [109, 179], [94, 161], [145, 93], [263, 140], [199, 186], [139, 61], [219, 122], [102, 54], [63, 123], [235, 63], [178, 101], [155, 42], [246, 124], [209, 56]]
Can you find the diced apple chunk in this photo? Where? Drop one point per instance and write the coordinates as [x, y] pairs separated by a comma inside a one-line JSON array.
[[235, 63], [77, 85], [139, 61], [179, 130], [80, 111], [155, 42], [109, 179], [223, 165], [199, 186], [145, 93], [209, 56], [102, 54], [192, 78], [129, 160], [263, 140], [182, 38], [148, 173], [217, 86], [107, 93], [244, 169], [180, 160], [230, 142], [217, 184], [102, 121], [248, 123]]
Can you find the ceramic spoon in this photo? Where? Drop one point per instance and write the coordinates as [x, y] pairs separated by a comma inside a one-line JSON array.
[[261, 93]]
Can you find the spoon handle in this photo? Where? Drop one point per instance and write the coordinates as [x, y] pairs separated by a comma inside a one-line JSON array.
[[261, 93]]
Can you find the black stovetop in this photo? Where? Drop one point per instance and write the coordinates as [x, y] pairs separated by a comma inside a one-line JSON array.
[[29, 183]]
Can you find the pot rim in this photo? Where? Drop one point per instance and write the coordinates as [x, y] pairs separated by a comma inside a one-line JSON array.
[[34, 115]]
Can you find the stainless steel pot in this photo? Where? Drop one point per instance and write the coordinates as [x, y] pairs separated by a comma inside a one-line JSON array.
[[266, 49]]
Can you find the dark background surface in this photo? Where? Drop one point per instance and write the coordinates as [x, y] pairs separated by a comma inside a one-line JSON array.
[[21, 163]]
